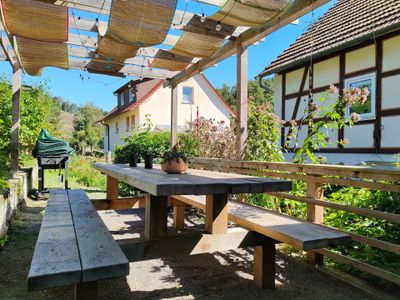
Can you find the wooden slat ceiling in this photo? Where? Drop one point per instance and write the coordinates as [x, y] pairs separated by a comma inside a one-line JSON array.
[[82, 42]]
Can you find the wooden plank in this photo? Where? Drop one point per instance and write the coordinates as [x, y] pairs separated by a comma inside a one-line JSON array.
[[349, 208], [216, 213], [200, 182], [291, 231], [118, 204], [156, 215], [56, 260], [264, 264], [241, 101], [192, 243], [100, 255], [389, 276]]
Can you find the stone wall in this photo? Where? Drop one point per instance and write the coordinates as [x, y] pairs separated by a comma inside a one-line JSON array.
[[19, 187]]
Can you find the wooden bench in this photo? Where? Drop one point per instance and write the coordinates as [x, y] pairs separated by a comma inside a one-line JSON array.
[[274, 227], [74, 247]]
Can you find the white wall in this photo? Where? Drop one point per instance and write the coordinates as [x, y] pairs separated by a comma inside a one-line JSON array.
[[158, 106], [327, 72], [210, 107]]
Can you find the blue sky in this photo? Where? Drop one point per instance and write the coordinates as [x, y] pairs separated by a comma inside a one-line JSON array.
[[99, 88]]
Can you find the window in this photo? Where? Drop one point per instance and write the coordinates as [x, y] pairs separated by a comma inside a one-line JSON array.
[[187, 95], [132, 95], [366, 110], [120, 99], [126, 96], [116, 127], [133, 122], [127, 124]]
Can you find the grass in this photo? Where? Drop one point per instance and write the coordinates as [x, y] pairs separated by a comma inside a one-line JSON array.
[[52, 182]]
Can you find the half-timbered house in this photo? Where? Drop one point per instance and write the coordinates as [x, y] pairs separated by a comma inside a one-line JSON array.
[[354, 44]]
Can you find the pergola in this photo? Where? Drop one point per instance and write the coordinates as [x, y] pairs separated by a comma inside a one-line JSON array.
[[131, 38]]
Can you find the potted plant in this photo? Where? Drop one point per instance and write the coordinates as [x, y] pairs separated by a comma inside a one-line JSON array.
[[174, 162]]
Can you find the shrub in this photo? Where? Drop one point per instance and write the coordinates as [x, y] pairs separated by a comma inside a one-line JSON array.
[[81, 169]]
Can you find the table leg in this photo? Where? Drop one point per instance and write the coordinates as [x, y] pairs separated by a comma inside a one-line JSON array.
[[112, 188], [156, 215], [217, 213], [264, 264], [86, 290]]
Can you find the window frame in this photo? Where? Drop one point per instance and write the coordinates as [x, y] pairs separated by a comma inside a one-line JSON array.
[[116, 127], [183, 95], [127, 124], [372, 92]]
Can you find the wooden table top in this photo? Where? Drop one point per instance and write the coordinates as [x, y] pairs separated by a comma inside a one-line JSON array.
[[194, 182]]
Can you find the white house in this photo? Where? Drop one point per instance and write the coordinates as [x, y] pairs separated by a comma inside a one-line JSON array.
[[355, 44], [148, 97]]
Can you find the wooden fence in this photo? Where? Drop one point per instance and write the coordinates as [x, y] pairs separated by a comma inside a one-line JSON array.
[[315, 177]]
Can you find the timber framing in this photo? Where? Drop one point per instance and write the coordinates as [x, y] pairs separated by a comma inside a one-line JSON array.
[[380, 112]]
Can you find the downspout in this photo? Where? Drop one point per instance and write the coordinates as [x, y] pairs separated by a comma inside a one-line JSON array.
[[108, 134], [260, 82]]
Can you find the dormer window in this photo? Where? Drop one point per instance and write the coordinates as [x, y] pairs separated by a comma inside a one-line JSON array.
[[132, 94]]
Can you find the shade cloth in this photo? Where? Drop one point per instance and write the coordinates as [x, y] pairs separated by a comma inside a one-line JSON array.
[[134, 24], [35, 20], [248, 12], [35, 55]]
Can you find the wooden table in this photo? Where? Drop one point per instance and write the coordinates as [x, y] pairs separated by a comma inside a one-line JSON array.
[[159, 185]]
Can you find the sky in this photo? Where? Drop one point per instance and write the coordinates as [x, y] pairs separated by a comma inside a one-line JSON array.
[[99, 88]]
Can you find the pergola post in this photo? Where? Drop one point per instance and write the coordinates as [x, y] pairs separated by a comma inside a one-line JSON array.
[[241, 100], [174, 114], [15, 112]]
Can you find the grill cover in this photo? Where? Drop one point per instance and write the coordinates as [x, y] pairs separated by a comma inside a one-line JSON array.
[[47, 145]]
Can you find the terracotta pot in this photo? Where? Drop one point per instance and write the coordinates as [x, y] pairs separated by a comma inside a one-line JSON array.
[[175, 166]]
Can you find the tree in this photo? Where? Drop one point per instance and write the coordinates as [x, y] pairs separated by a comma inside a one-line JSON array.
[[37, 111], [86, 131], [256, 93]]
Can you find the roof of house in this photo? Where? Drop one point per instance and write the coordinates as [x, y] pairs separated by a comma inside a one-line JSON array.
[[146, 88], [347, 23]]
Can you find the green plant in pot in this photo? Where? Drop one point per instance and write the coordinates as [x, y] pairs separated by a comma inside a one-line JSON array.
[[174, 162]]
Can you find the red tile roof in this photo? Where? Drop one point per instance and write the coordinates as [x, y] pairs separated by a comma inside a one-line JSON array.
[[151, 87], [147, 88], [347, 23]]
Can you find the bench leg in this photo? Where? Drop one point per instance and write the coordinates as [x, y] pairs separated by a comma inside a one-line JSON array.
[[86, 290], [217, 213], [179, 217], [156, 217], [264, 264]]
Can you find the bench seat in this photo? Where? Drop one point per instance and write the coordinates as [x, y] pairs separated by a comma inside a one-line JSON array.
[[74, 246], [294, 232]]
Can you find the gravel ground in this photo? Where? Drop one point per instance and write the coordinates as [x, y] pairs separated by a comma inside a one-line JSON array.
[[225, 275]]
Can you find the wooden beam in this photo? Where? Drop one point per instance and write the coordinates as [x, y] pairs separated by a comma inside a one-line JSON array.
[[315, 214], [112, 188], [15, 113], [241, 101], [118, 204], [293, 11], [264, 264], [216, 213], [174, 115], [156, 214], [131, 70]]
